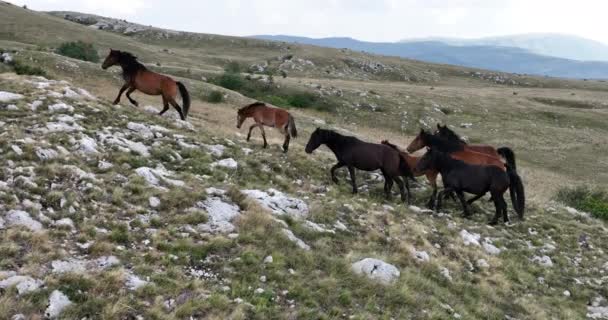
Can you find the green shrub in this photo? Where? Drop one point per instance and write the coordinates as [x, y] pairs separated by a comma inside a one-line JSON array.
[[233, 67], [78, 50], [25, 69], [585, 199], [230, 81], [215, 97], [302, 100], [277, 101]]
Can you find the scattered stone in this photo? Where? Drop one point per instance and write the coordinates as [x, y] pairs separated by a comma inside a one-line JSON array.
[[61, 107], [220, 214], [65, 222], [57, 303], [421, 256], [292, 237], [154, 177], [567, 294], [259, 291], [46, 154], [16, 149], [22, 218], [377, 270], [9, 96], [445, 272], [87, 145], [466, 125], [24, 284], [317, 227], [490, 248], [134, 282], [226, 163], [268, 260], [544, 261], [154, 202], [482, 264], [470, 238], [217, 150], [278, 203]]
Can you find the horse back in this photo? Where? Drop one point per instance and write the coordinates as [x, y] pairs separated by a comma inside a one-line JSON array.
[[478, 158], [483, 148], [270, 116]]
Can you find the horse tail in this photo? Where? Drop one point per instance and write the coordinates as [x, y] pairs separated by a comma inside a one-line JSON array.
[[516, 189], [291, 126], [185, 98], [509, 156]]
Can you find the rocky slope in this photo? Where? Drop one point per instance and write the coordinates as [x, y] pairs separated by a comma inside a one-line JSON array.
[[114, 212]]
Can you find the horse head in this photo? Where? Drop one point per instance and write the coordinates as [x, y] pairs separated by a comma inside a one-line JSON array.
[[315, 141], [112, 59], [419, 142]]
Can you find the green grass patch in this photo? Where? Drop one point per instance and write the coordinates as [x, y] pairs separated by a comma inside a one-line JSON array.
[[22, 68], [586, 199], [269, 92], [78, 50]]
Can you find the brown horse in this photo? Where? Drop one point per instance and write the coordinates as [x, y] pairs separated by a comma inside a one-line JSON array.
[[458, 151], [412, 162], [356, 154], [506, 153], [264, 115], [138, 77]]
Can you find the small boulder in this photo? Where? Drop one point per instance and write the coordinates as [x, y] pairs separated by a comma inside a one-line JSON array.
[[57, 303], [376, 270]]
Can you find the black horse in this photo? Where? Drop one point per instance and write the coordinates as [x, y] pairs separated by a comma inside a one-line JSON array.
[[356, 154], [461, 177]]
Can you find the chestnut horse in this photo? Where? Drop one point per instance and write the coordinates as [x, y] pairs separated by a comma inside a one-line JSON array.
[[458, 151], [264, 115], [412, 162], [506, 153], [138, 77]]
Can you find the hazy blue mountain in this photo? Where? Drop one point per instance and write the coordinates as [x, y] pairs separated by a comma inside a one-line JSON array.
[[549, 44], [500, 58]]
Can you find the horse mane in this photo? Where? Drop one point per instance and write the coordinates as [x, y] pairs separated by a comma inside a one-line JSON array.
[[452, 136], [334, 137], [387, 143], [129, 62], [249, 106], [440, 143]]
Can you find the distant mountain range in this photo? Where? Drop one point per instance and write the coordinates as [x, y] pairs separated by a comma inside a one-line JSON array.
[[548, 44], [526, 54]]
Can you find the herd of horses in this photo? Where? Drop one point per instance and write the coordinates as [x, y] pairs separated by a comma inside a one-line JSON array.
[[464, 168]]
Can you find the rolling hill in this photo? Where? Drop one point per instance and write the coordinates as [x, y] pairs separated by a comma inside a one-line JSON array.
[[113, 212], [484, 54]]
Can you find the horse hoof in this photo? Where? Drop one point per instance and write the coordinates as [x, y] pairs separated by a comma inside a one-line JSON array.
[[115, 102]]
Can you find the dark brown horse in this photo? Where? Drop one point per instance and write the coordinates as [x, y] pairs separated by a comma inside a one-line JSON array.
[[506, 153], [461, 177], [356, 154], [264, 115], [138, 77], [458, 151], [412, 162]]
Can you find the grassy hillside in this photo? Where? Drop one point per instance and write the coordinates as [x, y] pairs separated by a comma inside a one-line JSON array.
[[122, 204]]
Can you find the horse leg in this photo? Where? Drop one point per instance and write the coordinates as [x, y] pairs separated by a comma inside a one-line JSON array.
[[333, 171], [250, 129], [470, 201], [286, 143], [402, 188], [433, 180], [131, 89], [503, 203], [465, 207], [441, 197], [124, 87], [264, 136], [178, 108], [498, 208], [351, 170], [165, 106]]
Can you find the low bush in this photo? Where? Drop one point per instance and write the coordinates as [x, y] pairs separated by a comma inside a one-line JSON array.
[[215, 97], [26, 69], [78, 50], [586, 199]]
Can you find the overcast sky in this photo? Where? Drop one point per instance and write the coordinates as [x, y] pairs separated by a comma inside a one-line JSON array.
[[371, 20]]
